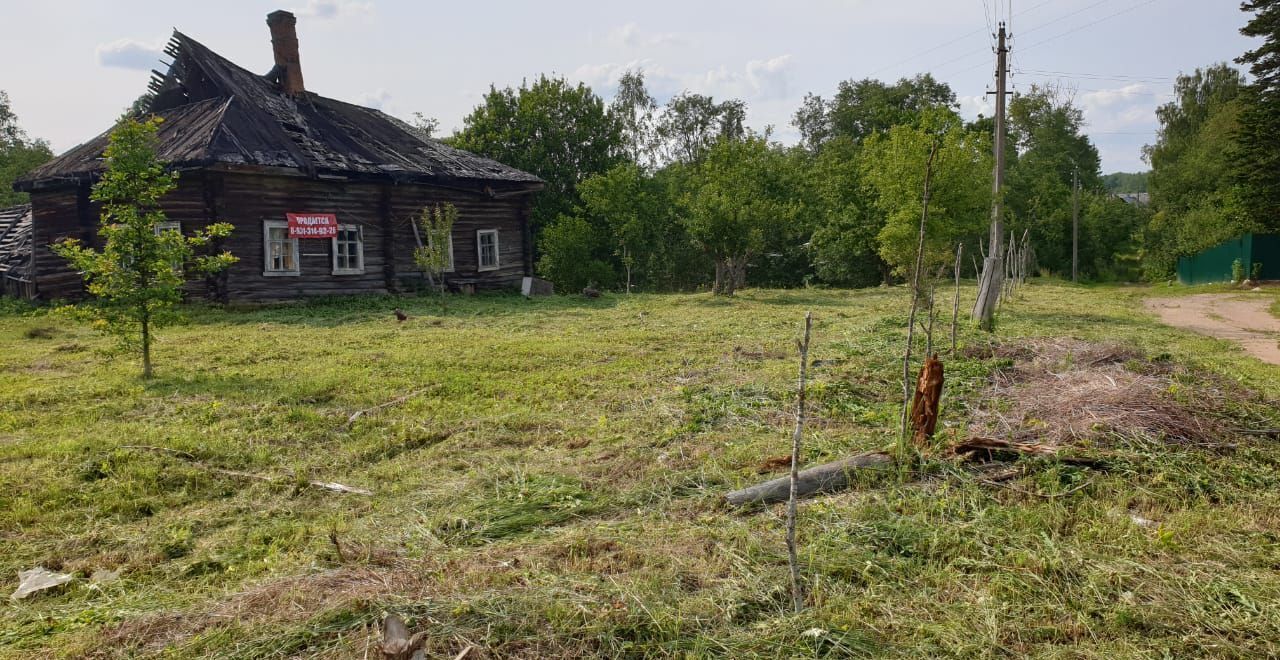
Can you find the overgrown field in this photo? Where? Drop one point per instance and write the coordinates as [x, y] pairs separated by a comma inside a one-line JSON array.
[[554, 487]]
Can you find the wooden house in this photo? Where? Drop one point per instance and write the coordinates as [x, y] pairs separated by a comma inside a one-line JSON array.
[[324, 195]]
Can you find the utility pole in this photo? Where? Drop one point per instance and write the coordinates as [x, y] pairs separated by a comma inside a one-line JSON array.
[[1075, 223], [993, 266]]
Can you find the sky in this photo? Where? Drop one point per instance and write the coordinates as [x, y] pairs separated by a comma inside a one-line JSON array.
[[73, 67]]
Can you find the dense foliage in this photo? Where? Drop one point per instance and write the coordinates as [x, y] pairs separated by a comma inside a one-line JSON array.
[[1194, 197], [558, 131], [18, 153], [1125, 182], [1257, 157]]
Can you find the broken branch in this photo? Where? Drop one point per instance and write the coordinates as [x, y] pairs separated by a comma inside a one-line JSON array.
[[324, 485], [394, 402]]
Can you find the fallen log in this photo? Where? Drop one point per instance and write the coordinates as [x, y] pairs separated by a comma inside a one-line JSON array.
[[820, 479]]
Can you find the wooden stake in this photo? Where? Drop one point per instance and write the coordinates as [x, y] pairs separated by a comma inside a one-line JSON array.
[[915, 296], [797, 596], [955, 307]]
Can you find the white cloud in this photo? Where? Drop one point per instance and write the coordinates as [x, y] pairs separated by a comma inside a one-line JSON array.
[[975, 104], [376, 99], [328, 9], [631, 36], [757, 80], [769, 76], [130, 54]]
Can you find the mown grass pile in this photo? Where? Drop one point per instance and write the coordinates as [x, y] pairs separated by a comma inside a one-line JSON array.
[[555, 487]]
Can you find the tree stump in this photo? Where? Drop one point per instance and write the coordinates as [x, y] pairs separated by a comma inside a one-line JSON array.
[[924, 408]]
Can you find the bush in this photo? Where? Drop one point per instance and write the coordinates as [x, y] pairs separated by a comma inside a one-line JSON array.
[[568, 256]]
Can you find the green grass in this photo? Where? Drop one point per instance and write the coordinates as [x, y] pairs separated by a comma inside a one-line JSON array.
[[555, 489]]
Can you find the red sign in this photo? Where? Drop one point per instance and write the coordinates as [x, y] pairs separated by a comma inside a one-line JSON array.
[[312, 225]]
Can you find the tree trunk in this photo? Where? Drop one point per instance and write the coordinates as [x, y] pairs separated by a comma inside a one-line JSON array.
[[146, 345], [740, 272], [797, 596], [730, 278]]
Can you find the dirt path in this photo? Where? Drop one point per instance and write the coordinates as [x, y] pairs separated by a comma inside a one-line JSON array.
[[1241, 318]]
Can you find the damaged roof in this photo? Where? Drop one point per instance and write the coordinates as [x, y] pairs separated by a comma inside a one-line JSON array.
[[217, 113], [15, 243]]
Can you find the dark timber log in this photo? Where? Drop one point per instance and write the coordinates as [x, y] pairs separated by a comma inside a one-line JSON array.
[[388, 255], [821, 479]]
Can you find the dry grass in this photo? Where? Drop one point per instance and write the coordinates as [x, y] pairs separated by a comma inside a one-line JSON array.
[[1067, 391]]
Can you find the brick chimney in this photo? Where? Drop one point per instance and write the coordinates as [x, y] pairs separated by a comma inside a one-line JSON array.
[[284, 44]]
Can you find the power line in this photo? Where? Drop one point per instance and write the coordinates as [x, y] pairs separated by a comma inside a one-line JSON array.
[[1057, 36], [1074, 30], [953, 41], [1098, 76], [1065, 17]]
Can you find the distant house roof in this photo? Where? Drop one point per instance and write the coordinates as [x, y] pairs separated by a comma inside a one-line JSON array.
[[1137, 199], [217, 113]]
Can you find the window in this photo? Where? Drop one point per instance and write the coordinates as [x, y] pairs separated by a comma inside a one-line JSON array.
[[449, 267], [168, 225], [280, 251], [348, 250], [487, 249]]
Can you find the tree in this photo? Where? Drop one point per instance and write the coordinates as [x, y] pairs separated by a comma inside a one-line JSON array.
[[893, 167], [1049, 154], [18, 154], [433, 256], [558, 131], [1194, 195], [137, 276], [1125, 182], [1256, 166], [633, 107], [1109, 233], [845, 247], [862, 108], [426, 127], [740, 195], [691, 123], [626, 201]]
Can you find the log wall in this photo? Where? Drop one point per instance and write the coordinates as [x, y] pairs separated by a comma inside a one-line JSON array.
[[383, 211]]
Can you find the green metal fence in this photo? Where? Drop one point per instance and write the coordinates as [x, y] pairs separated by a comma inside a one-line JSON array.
[[1214, 264]]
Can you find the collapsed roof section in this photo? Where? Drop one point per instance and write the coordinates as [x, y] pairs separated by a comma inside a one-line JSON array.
[[218, 114]]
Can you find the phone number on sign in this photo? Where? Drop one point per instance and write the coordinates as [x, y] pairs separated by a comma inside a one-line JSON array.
[[303, 232]]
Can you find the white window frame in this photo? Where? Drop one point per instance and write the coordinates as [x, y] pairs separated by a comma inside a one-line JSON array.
[[359, 269], [267, 271], [497, 260], [448, 268], [167, 225]]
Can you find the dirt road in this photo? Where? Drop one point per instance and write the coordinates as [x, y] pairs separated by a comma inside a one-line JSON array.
[[1242, 318]]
